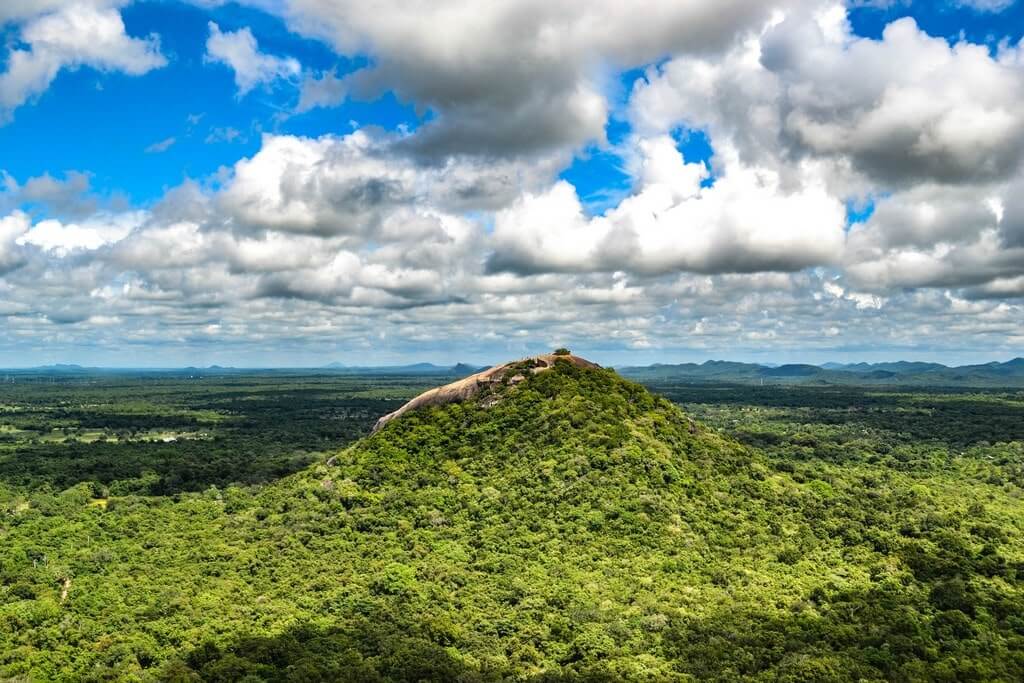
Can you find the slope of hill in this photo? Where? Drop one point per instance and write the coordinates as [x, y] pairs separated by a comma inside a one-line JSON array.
[[569, 526], [486, 383]]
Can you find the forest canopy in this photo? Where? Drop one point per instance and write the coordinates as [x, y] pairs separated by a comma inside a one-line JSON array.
[[574, 526]]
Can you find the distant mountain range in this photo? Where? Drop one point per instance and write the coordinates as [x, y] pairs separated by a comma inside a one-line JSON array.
[[994, 374], [458, 370], [897, 373]]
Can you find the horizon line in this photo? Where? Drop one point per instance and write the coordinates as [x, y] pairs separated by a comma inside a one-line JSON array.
[[342, 366]]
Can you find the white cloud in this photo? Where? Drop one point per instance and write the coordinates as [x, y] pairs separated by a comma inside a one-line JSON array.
[[976, 5], [162, 146], [63, 238], [73, 36], [12, 227], [746, 222], [949, 114], [225, 134], [70, 195], [985, 5], [1009, 213], [239, 51], [349, 185], [808, 87], [21, 10], [511, 77], [937, 142], [326, 90]]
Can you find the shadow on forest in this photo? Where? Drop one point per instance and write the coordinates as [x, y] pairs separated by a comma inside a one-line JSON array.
[[149, 469], [369, 652], [885, 631]]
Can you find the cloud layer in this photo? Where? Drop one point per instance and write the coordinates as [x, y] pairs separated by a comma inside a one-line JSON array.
[[461, 234]]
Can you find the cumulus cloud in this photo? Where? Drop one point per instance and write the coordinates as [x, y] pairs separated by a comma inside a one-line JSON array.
[[239, 51], [71, 195], [75, 35], [948, 114], [949, 265], [349, 185], [61, 239], [937, 143], [808, 87], [1009, 212], [746, 222], [339, 221], [511, 77], [923, 216], [12, 227]]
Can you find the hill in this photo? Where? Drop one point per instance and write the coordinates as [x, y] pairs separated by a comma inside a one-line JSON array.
[[486, 383], [565, 526]]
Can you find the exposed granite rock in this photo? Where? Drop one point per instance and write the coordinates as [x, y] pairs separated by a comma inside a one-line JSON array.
[[469, 387]]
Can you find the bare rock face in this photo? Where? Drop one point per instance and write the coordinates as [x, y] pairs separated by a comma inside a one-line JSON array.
[[469, 387]]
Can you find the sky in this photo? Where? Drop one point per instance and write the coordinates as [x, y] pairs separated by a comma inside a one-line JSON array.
[[282, 183]]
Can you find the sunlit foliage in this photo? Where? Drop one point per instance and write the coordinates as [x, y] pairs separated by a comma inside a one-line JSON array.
[[577, 528]]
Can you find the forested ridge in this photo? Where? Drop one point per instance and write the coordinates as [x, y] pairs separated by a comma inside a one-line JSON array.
[[572, 527]]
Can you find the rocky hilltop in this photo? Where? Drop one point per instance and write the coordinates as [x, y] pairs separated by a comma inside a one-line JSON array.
[[486, 381]]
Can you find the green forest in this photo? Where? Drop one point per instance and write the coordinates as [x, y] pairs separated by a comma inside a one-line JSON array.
[[574, 526]]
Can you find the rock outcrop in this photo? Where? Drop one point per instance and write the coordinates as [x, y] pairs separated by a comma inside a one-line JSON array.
[[472, 386]]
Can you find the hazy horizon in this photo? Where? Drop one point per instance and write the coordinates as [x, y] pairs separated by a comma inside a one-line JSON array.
[[630, 359]]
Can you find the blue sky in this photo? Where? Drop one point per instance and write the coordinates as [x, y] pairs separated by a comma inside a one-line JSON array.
[[950, 20], [117, 118], [158, 209]]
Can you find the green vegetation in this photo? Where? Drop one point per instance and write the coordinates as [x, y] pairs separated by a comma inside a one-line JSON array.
[[162, 435], [570, 527]]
